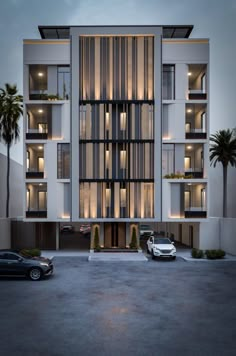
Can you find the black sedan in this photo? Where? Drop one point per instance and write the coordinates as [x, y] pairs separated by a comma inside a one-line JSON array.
[[14, 263]]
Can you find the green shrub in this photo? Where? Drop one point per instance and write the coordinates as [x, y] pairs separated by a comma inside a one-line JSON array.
[[196, 253], [214, 254], [133, 243], [34, 252], [96, 244]]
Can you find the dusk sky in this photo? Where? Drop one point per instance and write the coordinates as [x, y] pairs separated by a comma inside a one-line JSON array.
[[213, 19]]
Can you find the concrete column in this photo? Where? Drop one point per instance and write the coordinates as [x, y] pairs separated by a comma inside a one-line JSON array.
[[57, 236]]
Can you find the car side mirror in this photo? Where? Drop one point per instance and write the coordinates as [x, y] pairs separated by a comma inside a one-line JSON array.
[[172, 242], [20, 259]]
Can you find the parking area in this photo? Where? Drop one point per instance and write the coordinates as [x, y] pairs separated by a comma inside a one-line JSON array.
[[121, 308]]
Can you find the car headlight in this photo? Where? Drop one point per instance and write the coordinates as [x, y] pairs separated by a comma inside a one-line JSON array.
[[44, 264]]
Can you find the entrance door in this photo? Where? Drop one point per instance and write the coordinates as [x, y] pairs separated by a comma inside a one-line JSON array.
[[191, 236], [180, 233], [42, 200], [40, 164], [114, 235]]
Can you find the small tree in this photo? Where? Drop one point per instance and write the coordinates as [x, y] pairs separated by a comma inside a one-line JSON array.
[[96, 244], [133, 243], [223, 150], [10, 112]]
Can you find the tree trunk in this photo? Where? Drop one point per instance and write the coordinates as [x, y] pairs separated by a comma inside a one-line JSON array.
[[225, 191], [8, 180]]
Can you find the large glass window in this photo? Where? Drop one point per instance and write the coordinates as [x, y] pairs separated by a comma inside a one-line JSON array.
[[168, 85], [63, 160], [63, 82], [116, 160], [116, 200], [116, 121], [116, 68]]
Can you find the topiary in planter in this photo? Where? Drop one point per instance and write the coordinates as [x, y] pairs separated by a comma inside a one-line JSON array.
[[96, 245], [196, 253], [133, 243]]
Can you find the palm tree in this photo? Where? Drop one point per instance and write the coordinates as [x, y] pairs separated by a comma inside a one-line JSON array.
[[10, 112], [223, 150]]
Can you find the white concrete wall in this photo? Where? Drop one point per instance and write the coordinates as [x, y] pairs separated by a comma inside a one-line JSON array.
[[5, 233], [209, 234], [228, 238], [218, 233]]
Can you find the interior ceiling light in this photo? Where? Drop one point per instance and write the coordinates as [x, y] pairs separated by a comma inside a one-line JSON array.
[[189, 73], [40, 147], [189, 110], [40, 74], [189, 147], [40, 111]]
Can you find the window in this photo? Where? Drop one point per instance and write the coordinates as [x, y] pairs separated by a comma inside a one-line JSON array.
[[168, 85], [63, 82], [63, 160]]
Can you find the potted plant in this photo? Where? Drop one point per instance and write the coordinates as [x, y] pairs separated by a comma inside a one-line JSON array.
[[96, 244], [133, 243]]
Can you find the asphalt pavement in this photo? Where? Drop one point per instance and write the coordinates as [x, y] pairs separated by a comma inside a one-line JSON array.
[[121, 308]]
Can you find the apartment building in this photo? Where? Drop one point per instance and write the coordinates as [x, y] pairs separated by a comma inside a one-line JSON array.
[[116, 129]]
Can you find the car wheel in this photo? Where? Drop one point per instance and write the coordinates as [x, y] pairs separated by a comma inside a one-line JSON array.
[[153, 256], [174, 258], [35, 274]]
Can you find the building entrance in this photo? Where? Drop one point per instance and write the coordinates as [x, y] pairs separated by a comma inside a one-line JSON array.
[[114, 235]]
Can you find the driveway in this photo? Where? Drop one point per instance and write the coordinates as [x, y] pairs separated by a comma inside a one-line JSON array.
[[121, 308]]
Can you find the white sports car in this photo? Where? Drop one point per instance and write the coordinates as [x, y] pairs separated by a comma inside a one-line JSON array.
[[159, 246]]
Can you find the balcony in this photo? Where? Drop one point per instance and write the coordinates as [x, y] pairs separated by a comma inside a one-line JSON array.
[[197, 82], [194, 160], [36, 213], [197, 94], [193, 173], [49, 82], [196, 134], [34, 174], [35, 161], [195, 212], [36, 134], [36, 200]]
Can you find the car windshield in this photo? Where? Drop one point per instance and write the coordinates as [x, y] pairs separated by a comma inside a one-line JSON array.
[[145, 227], [161, 240]]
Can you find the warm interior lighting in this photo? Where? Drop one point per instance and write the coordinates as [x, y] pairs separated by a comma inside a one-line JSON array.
[[123, 121], [40, 147], [40, 74], [40, 184], [108, 197], [40, 111], [189, 110], [122, 159], [189, 147], [122, 197], [107, 120], [189, 183], [189, 74], [166, 138], [65, 216], [107, 158]]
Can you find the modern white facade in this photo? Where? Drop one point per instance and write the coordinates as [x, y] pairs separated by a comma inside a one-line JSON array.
[[116, 127]]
